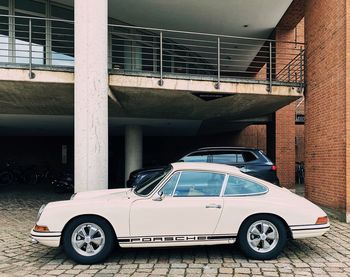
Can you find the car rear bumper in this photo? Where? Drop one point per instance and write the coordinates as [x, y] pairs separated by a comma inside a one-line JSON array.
[[51, 239], [310, 230]]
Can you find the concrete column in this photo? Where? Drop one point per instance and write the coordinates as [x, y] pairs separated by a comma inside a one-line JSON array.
[[133, 149], [90, 95]]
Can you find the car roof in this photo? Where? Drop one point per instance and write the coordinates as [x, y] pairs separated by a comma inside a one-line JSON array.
[[206, 166], [226, 148]]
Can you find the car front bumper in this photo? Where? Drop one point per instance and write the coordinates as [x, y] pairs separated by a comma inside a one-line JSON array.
[[51, 239]]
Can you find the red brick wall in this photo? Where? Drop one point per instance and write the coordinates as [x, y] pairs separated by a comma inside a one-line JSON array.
[[293, 15], [347, 117], [326, 143], [285, 117], [251, 136], [285, 145]]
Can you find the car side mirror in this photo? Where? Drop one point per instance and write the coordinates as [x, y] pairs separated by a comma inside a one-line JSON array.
[[159, 196]]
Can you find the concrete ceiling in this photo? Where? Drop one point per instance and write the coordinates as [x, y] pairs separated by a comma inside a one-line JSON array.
[[220, 17], [63, 125], [36, 108]]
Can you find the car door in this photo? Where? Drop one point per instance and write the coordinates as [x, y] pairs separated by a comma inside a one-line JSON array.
[[242, 198], [191, 205]]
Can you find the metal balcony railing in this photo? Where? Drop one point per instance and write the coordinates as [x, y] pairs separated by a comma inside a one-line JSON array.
[[32, 43]]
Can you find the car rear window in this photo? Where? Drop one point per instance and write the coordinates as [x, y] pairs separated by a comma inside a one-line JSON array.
[[249, 157]]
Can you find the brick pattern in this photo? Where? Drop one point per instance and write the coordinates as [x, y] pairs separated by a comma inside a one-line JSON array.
[[285, 145], [251, 136], [347, 117], [324, 256], [293, 15], [326, 142], [261, 75], [285, 117]]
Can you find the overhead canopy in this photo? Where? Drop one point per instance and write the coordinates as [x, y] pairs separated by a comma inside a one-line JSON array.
[[252, 18]]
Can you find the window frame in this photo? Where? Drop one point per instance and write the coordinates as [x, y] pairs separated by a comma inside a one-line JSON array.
[[245, 194], [195, 153], [166, 182], [223, 186], [161, 183]]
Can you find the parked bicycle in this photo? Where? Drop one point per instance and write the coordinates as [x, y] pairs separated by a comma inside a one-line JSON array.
[[64, 182], [12, 174]]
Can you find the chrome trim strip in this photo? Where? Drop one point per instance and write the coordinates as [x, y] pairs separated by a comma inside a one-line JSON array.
[[311, 229], [50, 236]]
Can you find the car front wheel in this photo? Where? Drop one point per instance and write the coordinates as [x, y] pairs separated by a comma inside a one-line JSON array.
[[88, 240], [262, 237]]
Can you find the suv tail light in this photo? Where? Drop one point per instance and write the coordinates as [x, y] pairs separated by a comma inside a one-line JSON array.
[[273, 168]]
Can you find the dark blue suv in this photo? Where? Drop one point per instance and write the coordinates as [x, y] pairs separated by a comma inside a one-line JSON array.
[[251, 161]]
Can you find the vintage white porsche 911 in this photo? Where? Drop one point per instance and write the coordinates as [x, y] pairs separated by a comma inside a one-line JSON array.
[[186, 204]]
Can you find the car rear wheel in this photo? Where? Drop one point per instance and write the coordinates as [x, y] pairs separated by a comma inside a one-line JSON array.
[[262, 237], [88, 239]]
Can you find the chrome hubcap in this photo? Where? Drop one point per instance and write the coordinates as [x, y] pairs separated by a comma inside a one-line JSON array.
[[88, 239], [262, 236]]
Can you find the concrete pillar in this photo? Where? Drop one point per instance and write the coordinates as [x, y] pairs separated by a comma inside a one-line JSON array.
[[90, 95], [133, 149], [327, 104]]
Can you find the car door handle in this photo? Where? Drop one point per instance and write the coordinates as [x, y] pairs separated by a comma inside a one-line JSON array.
[[213, 206]]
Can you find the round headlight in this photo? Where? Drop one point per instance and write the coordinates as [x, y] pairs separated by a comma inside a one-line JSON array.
[[40, 212]]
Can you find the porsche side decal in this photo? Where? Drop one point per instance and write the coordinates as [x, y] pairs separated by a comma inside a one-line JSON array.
[[175, 238]]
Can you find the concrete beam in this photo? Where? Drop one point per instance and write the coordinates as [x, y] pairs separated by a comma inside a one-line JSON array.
[[119, 82]]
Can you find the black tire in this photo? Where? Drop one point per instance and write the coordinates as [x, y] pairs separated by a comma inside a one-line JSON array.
[[108, 246], [260, 254]]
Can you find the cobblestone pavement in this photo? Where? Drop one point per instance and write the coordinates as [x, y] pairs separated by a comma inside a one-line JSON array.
[[325, 256]]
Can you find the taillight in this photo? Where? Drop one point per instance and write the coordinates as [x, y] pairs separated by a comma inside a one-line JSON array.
[[322, 220], [273, 168]]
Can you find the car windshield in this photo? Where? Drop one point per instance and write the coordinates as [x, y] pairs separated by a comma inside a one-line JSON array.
[[148, 186]]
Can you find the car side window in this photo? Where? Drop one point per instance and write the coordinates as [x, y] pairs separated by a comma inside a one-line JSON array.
[[224, 158], [238, 186], [169, 187], [197, 183]]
